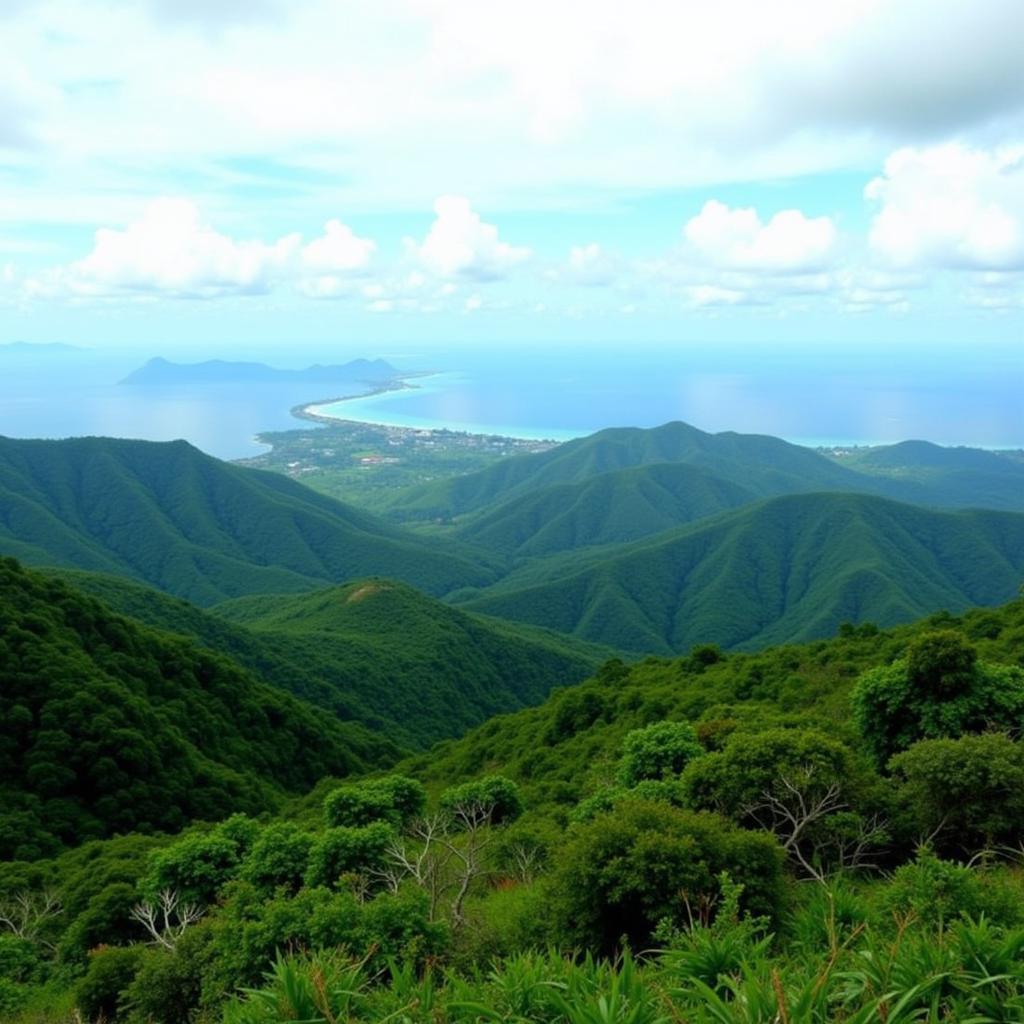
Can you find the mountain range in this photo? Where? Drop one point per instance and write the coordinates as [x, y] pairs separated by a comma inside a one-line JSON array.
[[199, 528], [784, 569], [161, 371], [374, 651], [645, 541]]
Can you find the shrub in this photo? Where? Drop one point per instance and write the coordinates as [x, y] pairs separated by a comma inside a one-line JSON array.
[[968, 792], [939, 892], [659, 751], [939, 690], [624, 872], [99, 994], [394, 799]]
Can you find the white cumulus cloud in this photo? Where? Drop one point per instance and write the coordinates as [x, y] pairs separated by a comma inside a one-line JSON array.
[[737, 238], [950, 206], [460, 244], [171, 251]]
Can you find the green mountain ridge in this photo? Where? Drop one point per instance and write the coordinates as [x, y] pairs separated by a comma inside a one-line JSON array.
[[614, 507], [373, 651], [187, 523], [763, 465], [109, 726], [786, 569], [951, 476], [567, 747]]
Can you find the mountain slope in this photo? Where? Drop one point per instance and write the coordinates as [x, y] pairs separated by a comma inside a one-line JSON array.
[[964, 477], [107, 725], [377, 652], [194, 526], [570, 745], [783, 570], [763, 465], [614, 507], [423, 670]]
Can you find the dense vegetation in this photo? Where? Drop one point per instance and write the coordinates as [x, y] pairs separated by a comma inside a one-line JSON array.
[[821, 831], [814, 833], [950, 476], [763, 466], [196, 527], [108, 726], [789, 568], [608, 508], [639, 540], [376, 652]]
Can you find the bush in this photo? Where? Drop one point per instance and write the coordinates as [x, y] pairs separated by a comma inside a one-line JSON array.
[[200, 864], [939, 690], [624, 872], [394, 799], [938, 892], [278, 858], [167, 986], [341, 851], [660, 751], [968, 792], [99, 994]]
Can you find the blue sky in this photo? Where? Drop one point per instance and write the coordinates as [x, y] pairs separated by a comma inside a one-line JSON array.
[[421, 172]]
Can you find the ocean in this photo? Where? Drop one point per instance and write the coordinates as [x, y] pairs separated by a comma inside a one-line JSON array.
[[810, 397]]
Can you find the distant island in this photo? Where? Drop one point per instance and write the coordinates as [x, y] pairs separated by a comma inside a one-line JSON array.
[[160, 371]]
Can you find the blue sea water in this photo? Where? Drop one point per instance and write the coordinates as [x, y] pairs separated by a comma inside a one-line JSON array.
[[809, 397]]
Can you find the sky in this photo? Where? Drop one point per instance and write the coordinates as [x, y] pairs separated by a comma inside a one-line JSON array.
[[224, 174]]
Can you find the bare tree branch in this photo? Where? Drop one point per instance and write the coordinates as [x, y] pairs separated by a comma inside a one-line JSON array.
[[25, 913], [166, 918]]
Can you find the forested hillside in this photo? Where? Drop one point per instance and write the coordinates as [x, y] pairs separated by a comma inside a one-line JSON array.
[[761, 465], [728, 837], [790, 568], [966, 477], [609, 508], [373, 651], [197, 527], [108, 726]]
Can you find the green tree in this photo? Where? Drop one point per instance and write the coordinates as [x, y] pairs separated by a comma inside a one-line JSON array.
[[622, 873], [493, 800], [659, 751], [939, 690], [968, 793], [394, 799], [278, 858], [343, 851], [197, 866]]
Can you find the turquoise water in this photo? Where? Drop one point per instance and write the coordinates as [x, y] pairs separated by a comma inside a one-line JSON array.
[[811, 397], [812, 400]]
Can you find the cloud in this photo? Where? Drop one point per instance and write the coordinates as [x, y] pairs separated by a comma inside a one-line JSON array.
[[590, 265], [738, 239], [460, 244], [330, 262], [712, 295], [170, 251], [950, 206]]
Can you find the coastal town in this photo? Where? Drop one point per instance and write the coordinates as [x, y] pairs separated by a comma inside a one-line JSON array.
[[348, 459]]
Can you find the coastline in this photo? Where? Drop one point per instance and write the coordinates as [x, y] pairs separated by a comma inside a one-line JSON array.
[[311, 411], [305, 410]]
